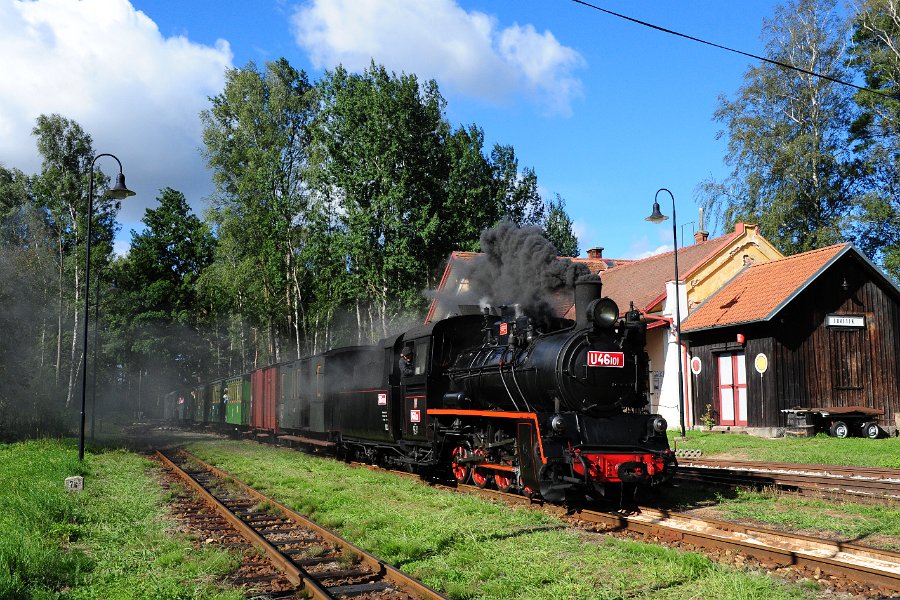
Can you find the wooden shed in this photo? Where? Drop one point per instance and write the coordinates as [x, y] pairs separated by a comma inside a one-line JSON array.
[[817, 329]]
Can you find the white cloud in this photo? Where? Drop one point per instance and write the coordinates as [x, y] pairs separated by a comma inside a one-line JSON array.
[[466, 52], [105, 65], [582, 230], [653, 252]]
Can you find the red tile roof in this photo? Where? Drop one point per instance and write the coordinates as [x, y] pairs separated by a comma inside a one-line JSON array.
[[644, 281], [759, 292]]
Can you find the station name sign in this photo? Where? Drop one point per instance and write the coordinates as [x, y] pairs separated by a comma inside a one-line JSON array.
[[846, 321]]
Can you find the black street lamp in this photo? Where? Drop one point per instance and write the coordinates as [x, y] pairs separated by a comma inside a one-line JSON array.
[[118, 191], [658, 217]]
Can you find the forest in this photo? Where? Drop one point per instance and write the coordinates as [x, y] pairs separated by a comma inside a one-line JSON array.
[[338, 201]]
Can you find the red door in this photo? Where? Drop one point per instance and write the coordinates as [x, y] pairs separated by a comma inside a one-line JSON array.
[[732, 389]]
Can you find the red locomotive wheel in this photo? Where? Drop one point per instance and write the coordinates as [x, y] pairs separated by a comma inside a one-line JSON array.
[[505, 483], [461, 471], [481, 477]]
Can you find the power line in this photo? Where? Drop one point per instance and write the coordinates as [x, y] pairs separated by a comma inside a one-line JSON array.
[[726, 48]]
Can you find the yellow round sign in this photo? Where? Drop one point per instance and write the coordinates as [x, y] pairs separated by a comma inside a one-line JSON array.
[[761, 362]]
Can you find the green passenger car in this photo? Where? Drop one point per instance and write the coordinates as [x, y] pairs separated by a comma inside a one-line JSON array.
[[198, 405], [238, 405], [216, 392]]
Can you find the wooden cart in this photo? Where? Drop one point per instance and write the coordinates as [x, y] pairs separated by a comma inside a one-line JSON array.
[[837, 421]]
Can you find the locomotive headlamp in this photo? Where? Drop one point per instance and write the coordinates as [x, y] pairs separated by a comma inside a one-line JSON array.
[[659, 424], [603, 312], [558, 424]]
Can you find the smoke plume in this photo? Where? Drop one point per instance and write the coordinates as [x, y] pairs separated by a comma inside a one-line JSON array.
[[519, 266]]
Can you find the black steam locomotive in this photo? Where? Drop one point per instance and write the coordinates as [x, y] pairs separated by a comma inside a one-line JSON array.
[[555, 410]]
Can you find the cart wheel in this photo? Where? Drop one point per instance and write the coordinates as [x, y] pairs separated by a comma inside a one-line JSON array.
[[871, 430], [839, 429]]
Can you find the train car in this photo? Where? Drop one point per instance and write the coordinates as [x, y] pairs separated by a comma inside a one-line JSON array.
[[216, 399], [236, 399], [263, 399], [199, 405], [171, 407], [288, 403]]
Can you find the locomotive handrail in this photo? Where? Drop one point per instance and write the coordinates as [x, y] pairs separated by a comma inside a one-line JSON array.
[[503, 379], [516, 381]]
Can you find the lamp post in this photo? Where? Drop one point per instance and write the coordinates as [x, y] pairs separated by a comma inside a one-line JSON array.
[[118, 191], [658, 217]]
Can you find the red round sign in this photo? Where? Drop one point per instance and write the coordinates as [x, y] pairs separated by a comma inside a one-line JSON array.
[[696, 365]]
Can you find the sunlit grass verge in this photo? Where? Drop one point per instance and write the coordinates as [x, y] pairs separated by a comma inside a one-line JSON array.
[[866, 524], [821, 449], [470, 548], [113, 540]]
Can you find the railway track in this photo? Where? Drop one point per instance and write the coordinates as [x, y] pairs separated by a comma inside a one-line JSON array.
[[855, 568], [859, 484], [309, 558]]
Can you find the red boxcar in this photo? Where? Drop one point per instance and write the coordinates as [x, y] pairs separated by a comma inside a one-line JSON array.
[[264, 384]]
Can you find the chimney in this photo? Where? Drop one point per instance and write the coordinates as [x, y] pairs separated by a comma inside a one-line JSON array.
[[701, 235], [586, 290], [595, 253]]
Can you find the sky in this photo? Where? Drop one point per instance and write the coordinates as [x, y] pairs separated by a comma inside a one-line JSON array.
[[605, 111]]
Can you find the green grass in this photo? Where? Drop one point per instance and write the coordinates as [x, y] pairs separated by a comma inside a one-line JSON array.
[[864, 524], [112, 540], [470, 548], [821, 449]]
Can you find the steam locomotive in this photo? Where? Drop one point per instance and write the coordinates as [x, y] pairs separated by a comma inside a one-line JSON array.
[[552, 409]]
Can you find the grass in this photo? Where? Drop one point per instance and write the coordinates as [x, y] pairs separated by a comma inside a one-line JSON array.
[[866, 524], [112, 540], [473, 549], [821, 449]]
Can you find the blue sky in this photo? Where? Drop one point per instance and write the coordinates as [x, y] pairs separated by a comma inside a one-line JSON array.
[[604, 110]]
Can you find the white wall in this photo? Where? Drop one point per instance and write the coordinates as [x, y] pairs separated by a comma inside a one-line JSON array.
[[662, 349]]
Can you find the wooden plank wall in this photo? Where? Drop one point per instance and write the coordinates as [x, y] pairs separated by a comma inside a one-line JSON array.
[[810, 364]]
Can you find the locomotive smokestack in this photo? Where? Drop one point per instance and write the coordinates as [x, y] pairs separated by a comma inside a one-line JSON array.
[[586, 289]]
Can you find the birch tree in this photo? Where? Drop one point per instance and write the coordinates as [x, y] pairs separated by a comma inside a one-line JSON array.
[[787, 135]]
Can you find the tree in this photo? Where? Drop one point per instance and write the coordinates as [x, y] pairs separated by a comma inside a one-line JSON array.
[[515, 192], [471, 205], [380, 156], [875, 51], [256, 137], [787, 135], [158, 282], [27, 272], [558, 228], [60, 191]]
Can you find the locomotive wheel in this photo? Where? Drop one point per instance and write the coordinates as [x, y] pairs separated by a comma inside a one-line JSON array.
[[481, 477], [839, 429], [461, 471], [504, 482]]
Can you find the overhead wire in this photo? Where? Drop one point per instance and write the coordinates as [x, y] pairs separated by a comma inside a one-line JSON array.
[[894, 96]]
